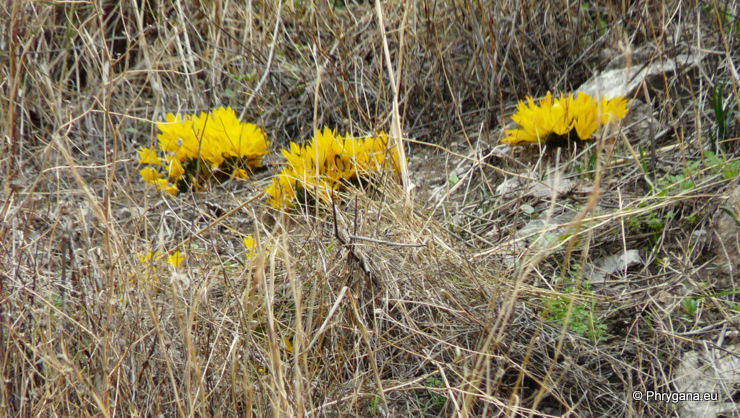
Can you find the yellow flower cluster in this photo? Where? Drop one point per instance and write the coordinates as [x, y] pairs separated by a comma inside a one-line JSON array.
[[563, 117], [174, 259], [148, 260], [214, 138], [321, 165]]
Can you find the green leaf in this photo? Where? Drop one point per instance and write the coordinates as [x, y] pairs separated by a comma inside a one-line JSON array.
[[731, 213]]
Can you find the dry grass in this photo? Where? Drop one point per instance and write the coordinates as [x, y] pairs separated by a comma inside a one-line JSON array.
[[368, 306]]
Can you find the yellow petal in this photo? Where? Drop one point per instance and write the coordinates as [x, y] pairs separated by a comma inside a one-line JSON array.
[[175, 259], [240, 173], [148, 257], [161, 184], [248, 242], [518, 136], [175, 169], [148, 156], [149, 174], [613, 110]]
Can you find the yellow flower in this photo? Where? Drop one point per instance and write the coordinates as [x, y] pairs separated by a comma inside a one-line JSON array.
[[237, 139], [530, 118], [250, 245], [249, 242], [208, 147], [212, 137], [321, 165], [314, 166], [147, 257], [563, 117], [148, 156], [240, 173], [368, 155], [585, 114], [178, 136], [282, 190], [175, 259], [149, 174], [161, 184], [613, 110], [175, 169], [537, 122]]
